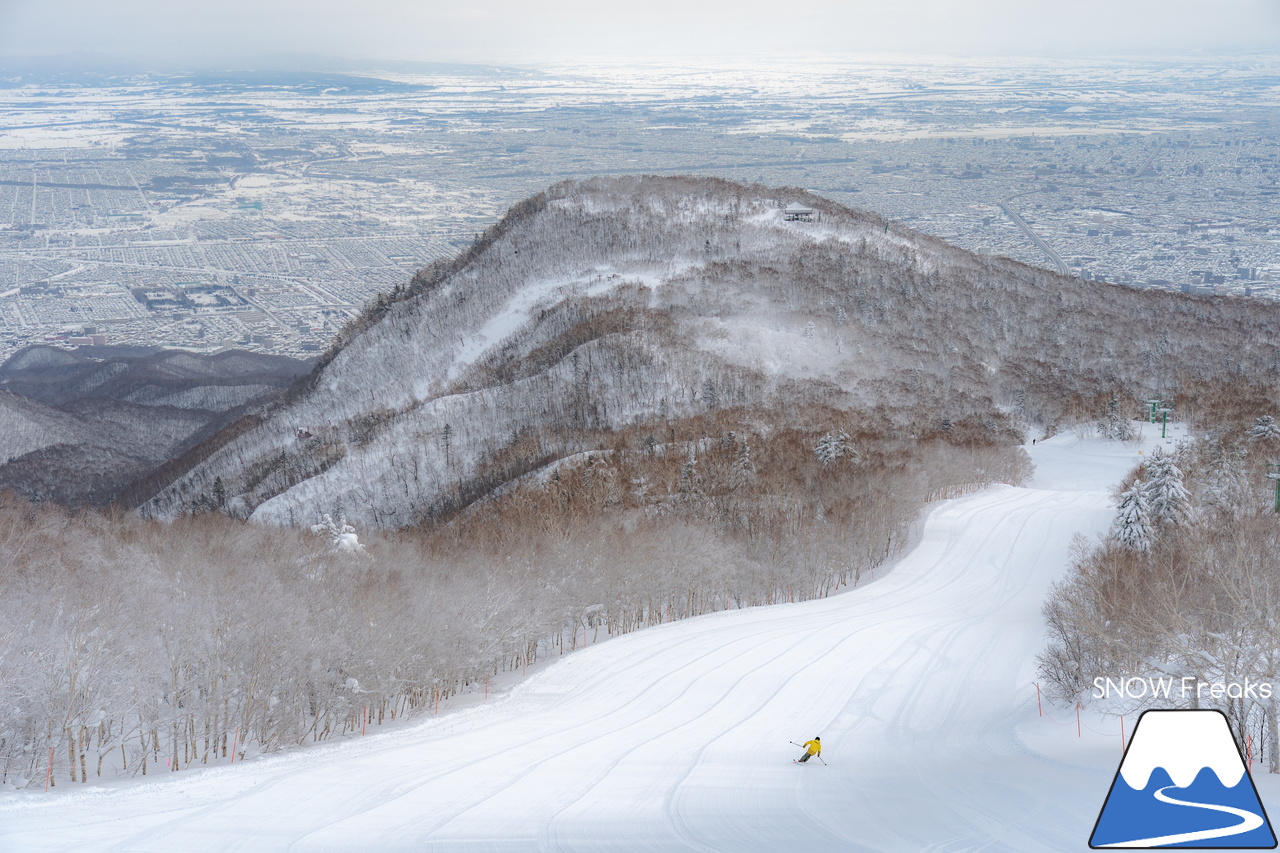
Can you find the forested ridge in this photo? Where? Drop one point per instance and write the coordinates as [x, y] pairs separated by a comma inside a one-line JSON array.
[[78, 427], [632, 400], [598, 305]]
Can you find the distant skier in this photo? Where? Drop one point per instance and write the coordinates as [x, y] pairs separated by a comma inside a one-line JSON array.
[[812, 748]]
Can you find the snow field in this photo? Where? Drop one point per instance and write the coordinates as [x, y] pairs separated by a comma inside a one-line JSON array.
[[676, 737]]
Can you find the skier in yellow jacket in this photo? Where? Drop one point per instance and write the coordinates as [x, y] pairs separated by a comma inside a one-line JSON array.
[[812, 748]]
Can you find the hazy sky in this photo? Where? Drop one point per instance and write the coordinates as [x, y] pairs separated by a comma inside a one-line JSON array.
[[531, 30]]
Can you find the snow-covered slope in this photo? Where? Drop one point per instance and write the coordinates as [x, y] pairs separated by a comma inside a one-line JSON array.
[[622, 304], [676, 738]]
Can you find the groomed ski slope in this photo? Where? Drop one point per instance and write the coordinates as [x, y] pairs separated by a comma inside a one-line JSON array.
[[676, 737]]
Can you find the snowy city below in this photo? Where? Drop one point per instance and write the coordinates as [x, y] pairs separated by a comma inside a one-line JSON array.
[[261, 210]]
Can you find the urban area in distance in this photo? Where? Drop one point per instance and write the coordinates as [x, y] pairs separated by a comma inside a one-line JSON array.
[[260, 210]]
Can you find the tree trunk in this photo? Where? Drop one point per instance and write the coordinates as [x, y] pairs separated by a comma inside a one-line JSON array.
[[1273, 734], [84, 736]]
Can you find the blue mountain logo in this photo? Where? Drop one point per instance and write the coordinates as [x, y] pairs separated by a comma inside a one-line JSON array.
[[1182, 783]]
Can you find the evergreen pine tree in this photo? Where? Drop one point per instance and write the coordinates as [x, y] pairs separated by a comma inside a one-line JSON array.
[[1264, 428], [1224, 486], [744, 470], [342, 536], [1132, 525], [1113, 424], [1167, 496], [831, 447], [690, 486], [709, 395]]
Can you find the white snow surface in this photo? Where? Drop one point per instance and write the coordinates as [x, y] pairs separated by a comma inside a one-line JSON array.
[[509, 318], [1183, 743], [677, 737]]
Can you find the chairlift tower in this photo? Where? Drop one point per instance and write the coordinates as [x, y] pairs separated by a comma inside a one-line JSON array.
[[1164, 423], [1154, 403]]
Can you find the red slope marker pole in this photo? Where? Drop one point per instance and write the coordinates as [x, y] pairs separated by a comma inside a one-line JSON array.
[[48, 771], [1039, 707], [235, 742]]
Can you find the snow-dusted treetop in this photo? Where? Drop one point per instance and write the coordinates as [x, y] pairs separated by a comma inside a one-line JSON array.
[[1132, 524], [1170, 503], [1264, 428], [343, 538]]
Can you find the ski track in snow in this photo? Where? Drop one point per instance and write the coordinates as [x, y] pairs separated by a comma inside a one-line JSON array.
[[676, 737]]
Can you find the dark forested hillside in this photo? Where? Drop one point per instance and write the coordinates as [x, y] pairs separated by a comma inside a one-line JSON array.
[[78, 426]]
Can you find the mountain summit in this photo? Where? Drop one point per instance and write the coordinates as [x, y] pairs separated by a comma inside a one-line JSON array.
[[617, 312]]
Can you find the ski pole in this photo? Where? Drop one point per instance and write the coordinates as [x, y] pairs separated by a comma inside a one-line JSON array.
[[824, 764]]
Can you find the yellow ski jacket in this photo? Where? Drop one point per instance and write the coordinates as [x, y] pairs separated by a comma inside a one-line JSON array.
[[814, 747]]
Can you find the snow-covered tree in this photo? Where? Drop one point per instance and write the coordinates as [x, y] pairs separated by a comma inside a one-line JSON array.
[[690, 485], [831, 447], [1167, 496], [1114, 425], [1132, 524], [1264, 428], [744, 469], [1224, 485], [709, 394], [342, 536]]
